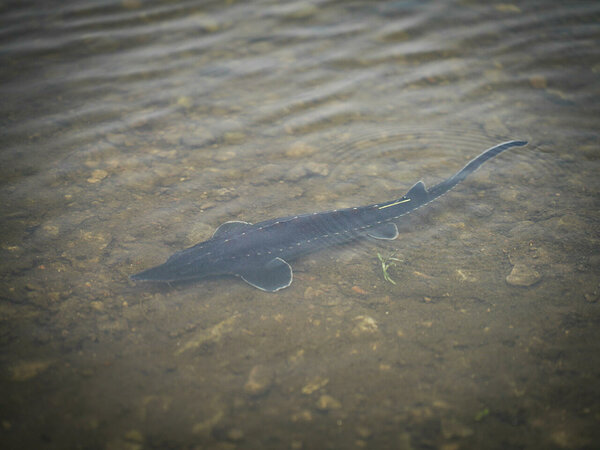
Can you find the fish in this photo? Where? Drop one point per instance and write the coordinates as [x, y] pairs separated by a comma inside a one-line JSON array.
[[260, 253]]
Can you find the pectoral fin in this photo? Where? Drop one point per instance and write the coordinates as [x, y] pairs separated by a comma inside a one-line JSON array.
[[275, 275], [388, 231]]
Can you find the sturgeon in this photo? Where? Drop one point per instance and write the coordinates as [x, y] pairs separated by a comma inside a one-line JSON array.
[[260, 253]]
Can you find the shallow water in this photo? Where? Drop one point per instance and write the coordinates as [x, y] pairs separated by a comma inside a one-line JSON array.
[[132, 129]]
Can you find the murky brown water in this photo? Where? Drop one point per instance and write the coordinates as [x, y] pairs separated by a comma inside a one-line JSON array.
[[132, 129]]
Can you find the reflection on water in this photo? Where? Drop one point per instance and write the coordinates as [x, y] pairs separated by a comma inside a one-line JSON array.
[[132, 129]]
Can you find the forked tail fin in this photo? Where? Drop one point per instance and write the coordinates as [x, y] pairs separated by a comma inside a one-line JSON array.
[[445, 186]]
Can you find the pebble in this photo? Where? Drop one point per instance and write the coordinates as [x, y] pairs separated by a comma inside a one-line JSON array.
[[359, 290], [314, 385], [364, 325], [268, 174], [259, 381], [312, 293], [209, 24], [315, 168], [234, 137], [481, 210], [327, 403], [523, 275], [212, 334], [26, 370], [185, 102], [296, 173], [507, 8], [363, 432], [97, 176], [134, 435], [300, 150], [97, 305], [508, 195], [223, 156], [303, 416], [453, 429], [199, 232], [538, 82], [49, 231], [235, 435], [112, 325], [198, 137], [302, 10]]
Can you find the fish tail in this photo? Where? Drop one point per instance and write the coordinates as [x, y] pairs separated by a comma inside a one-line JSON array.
[[472, 166]]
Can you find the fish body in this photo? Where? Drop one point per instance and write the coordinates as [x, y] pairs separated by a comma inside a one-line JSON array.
[[260, 253]]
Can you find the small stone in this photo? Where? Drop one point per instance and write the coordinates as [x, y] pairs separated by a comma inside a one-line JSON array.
[[314, 168], [314, 385], [97, 305], [199, 232], [269, 173], [235, 435], [538, 82], [134, 435], [27, 370], [303, 416], [363, 432], [311, 293], [453, 429], [112, 325], [364, 325], [132, 4], [184, 101], [97, 176], [198, 137], [212, 334], [50, 231], [481, 210], [259, 381], [205, 427], [327, 403], [508, 195], [300, 150], [207, 205], [223, 156], [302, 10], [359, 290], [523, 275], [234, 137], [297, 357], [209, 24], [466, 275], [296, 173], [507, 8]]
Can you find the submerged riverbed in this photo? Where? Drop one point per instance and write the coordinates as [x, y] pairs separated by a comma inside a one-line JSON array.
[[131, 130]]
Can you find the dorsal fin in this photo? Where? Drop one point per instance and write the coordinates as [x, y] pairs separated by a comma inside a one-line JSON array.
[[417, 192], [231, 227]]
